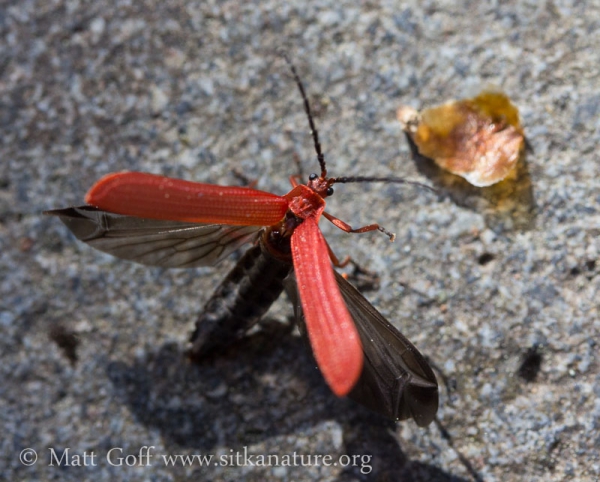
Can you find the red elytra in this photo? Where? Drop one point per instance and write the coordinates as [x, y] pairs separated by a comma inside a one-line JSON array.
[[157, 197]]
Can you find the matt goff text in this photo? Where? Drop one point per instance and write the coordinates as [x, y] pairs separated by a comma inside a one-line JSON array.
[[117, 457]]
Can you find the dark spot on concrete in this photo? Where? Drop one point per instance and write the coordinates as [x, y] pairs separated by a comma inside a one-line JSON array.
[[485, 258], [66, 340], [531, 364]]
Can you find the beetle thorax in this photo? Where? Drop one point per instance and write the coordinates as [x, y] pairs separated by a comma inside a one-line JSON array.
[[304, 202]]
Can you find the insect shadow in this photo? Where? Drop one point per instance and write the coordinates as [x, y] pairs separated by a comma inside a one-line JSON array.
[[266, 385]]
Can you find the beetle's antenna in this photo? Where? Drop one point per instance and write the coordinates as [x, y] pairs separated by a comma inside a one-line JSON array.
[[311, 122], [391, 180]]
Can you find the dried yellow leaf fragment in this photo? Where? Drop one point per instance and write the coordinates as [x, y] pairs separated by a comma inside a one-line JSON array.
[[479, 139]]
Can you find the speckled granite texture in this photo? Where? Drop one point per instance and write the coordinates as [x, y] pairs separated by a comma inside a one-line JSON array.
[[501, 293]]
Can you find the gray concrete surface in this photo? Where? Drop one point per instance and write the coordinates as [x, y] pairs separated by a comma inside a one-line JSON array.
[[91, 347]]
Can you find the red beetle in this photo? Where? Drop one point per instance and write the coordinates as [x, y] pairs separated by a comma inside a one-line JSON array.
[[167, 222]]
